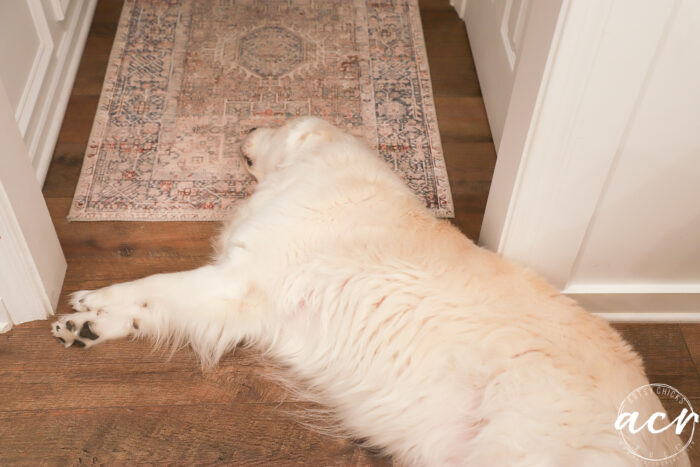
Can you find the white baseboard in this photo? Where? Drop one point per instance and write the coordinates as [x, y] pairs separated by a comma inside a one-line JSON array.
[[653, 303], [5, 320], [632, 317]]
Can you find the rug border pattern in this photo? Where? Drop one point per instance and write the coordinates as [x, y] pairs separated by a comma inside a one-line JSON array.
[[80, 213]]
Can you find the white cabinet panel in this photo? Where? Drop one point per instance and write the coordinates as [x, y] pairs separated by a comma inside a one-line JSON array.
[[17, 28], [32, 265], [41, 42], [497, 31], [646, 228], [597, 182], [513, 28], [40, 54], [25, 54]]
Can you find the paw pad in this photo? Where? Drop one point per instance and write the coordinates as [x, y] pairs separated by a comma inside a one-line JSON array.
[[86, 332], [69, 333]]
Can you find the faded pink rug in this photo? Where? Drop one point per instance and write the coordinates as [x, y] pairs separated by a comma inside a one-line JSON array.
[[186, 79]]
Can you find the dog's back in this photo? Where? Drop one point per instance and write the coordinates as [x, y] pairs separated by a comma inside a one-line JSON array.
[[439, 350]]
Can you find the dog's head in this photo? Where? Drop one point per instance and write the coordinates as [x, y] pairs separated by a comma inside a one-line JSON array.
[[267, 150]]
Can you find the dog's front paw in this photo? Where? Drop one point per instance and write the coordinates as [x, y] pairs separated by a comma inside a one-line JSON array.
[[101, 315], [88, 300], [76, 329]]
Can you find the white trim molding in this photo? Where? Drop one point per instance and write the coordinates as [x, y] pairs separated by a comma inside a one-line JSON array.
[[5, 320], [50, 117], [37, 74], [461, 7], [60, 7], [658, 317], [640, 302]]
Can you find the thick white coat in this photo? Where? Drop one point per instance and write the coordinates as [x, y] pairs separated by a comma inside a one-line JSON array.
[[422, 343]]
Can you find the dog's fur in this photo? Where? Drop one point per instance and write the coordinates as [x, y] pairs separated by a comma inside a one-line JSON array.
[[437, 351]]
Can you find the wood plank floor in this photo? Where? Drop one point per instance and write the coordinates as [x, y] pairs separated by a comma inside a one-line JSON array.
[[120, 403]]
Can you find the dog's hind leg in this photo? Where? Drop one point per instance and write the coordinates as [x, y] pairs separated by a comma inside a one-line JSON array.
[[210, 308]]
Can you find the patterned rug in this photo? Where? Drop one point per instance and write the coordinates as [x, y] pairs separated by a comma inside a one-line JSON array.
[[187, 78]]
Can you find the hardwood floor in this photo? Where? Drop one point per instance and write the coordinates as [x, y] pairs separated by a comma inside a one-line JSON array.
[[121, 403]]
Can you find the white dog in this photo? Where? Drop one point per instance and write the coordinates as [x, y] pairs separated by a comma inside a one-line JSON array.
[[433, 349]]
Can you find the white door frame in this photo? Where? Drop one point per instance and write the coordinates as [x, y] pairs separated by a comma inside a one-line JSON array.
[[32, 265], [545, 189]]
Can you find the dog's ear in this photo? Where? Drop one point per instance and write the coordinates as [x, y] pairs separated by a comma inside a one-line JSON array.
[[317, 135], [314, 130]]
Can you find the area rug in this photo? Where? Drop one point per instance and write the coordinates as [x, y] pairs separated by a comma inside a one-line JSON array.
[[187, 78]]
